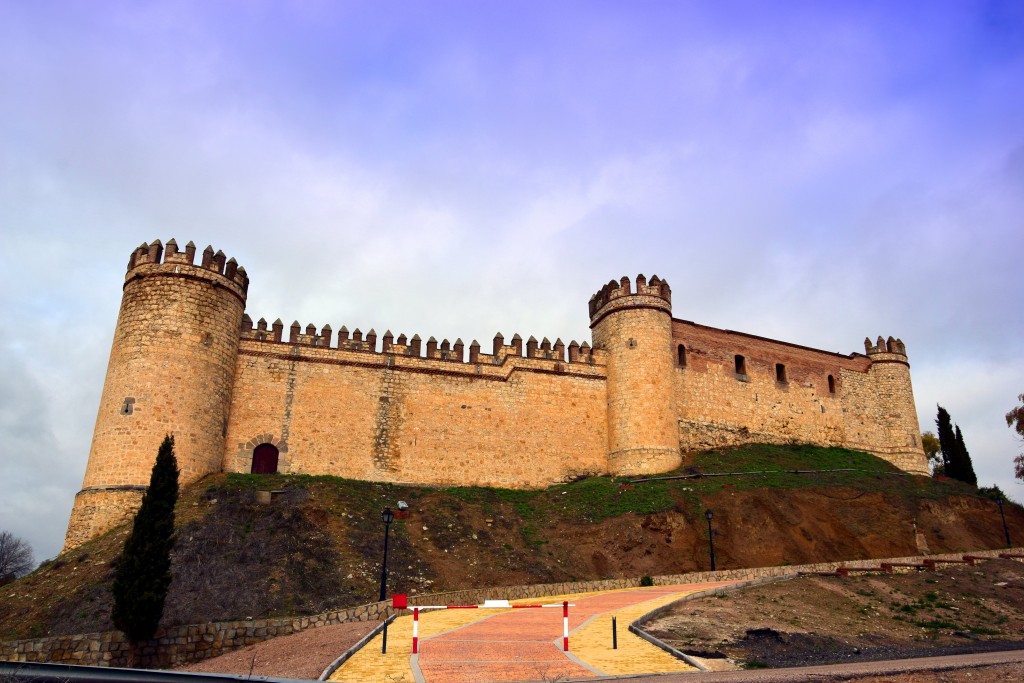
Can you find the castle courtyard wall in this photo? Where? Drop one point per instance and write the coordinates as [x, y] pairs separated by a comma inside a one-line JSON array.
[[507, 420]]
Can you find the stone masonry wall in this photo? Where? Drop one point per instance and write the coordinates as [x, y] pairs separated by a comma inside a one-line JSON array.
[[892, 411], [865, 407], [99, 509], [171, 369], [634, 329], [504, 420], [184, 644]]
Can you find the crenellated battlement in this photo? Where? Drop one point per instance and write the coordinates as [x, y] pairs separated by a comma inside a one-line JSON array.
[[402, 345], [621, 294], [155, 253], [889, 346]]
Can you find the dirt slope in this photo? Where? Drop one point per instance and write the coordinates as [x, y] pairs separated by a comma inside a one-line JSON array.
[[317, 546], [828, 620]]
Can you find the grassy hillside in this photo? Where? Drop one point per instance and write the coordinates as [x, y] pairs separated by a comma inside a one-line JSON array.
[[318, 544]]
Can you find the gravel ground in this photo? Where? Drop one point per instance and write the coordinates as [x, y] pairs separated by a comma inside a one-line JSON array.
[[301, 655]]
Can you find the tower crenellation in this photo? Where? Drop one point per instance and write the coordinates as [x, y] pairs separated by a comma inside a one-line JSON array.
[[614, 290], [891, 345], [155, 254]]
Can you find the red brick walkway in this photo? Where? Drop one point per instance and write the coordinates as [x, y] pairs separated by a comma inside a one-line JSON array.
[[524, 644]]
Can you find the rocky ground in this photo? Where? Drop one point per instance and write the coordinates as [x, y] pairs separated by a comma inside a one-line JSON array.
[[825, 620]]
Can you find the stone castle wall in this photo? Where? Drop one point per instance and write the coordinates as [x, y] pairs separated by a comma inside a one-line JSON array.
[[858, 401], [880, 409], [187, 361], [504, 421]]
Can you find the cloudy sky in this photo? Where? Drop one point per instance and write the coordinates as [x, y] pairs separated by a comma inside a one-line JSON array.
[[816, 172]]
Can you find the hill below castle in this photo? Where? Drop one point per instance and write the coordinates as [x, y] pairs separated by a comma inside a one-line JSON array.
[[317, 544]]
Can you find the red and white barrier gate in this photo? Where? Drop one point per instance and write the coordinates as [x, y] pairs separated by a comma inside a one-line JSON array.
[[401, 601]]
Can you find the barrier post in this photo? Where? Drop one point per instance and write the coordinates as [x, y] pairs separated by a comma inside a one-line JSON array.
[[565, 626], [415, 630], [615, 635]]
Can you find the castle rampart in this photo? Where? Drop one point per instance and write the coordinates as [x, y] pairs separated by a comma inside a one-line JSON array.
[[241, 396], [504, 420]]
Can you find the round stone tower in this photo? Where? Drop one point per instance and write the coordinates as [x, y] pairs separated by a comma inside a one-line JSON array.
[[893, 412], [634, 328], [171, 371]]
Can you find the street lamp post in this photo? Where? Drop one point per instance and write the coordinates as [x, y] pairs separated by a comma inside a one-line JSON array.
[[1006, 529], [711, 538], [387, 516]]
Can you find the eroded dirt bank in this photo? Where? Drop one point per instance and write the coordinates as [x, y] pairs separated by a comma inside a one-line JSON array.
[[823, 620]]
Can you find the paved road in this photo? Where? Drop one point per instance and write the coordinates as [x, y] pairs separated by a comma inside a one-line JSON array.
[[524, 644]]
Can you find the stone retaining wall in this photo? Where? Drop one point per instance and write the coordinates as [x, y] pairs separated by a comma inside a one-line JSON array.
[[184, 644]]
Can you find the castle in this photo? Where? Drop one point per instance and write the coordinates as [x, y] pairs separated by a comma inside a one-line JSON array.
[[245, 397]]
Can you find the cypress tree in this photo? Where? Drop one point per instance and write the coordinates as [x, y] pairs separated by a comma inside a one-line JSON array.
[[144, 568], [947, 443], [966, 467]]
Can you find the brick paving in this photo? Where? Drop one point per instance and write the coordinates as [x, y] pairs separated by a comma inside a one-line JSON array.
[[523, 645]]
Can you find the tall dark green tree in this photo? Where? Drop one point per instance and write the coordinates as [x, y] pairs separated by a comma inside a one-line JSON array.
[[144, 568], [955, 458], [947, 442], [966, 467]]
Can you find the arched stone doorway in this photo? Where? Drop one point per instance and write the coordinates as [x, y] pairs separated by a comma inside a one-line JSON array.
[[264, 459]]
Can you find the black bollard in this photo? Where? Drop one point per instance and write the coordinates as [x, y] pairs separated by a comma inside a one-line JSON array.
[[615, 635], [384, 637]]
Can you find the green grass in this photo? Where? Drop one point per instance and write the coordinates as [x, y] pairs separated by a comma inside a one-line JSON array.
[[595, 499]]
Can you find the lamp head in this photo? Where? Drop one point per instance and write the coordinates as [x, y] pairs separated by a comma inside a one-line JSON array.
[[387, 516], [708, 514]]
